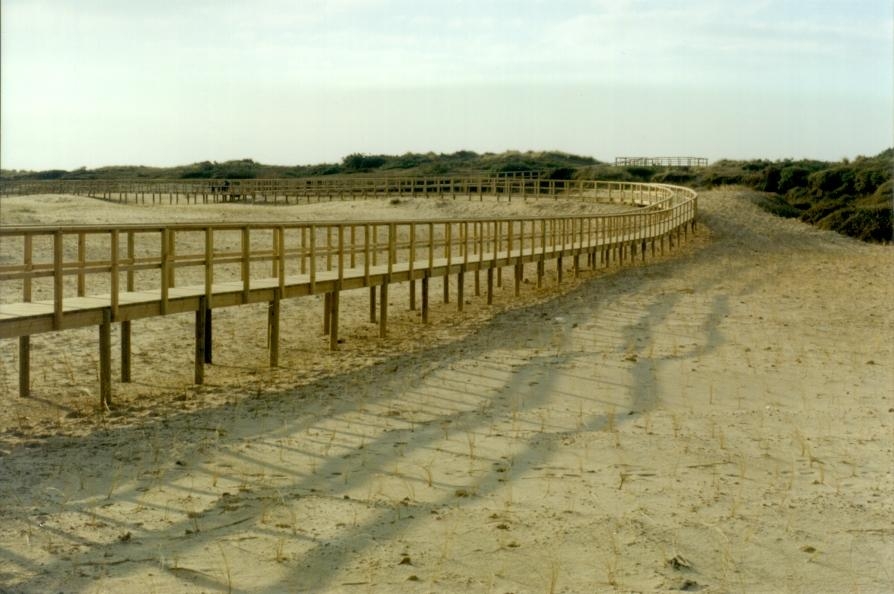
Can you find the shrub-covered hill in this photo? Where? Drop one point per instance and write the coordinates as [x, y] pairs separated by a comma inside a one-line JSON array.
[[851, 197], [406, 164]]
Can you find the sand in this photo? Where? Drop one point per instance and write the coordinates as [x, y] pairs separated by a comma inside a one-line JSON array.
[[717, 420]]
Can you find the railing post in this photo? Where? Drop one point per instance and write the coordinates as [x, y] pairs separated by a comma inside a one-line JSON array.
[[58, 286], [246, 263]]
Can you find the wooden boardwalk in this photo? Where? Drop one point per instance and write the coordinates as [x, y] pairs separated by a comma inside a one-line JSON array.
[[139, 271]]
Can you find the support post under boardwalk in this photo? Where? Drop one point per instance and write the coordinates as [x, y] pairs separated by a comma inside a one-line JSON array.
[[333, 321], [273, 310], [559, 269], [447, 287], [519, 277], [425, 299], [383, 311], [372, 304], [327, 311], [24, 366], [490, 286], [208, 341], [477, 283], [105, 360], [460, 286], [125, 351], [200, 343]]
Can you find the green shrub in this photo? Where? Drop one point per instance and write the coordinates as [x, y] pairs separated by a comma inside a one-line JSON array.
[[792, 177], [861, 223], [640, 173], [776, 205], [683, 176], [826, 206]]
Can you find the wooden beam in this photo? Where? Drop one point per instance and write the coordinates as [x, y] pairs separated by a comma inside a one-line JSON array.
[[58, 287], [199, 362], [460, 288], [383, 311], [125, 351], [105, 360], [24, 366], [425, 299], [273, 310], [333, 321], [208, 335]]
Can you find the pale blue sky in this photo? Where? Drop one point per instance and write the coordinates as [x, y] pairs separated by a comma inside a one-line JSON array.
[[105, 82]]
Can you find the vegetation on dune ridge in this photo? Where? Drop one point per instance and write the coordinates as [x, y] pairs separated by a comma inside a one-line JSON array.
[[851, 197], [408, 164]]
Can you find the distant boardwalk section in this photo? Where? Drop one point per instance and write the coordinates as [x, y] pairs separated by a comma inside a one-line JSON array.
[[663, 161]]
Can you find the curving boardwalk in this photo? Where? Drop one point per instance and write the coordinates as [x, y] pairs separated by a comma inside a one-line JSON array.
[[100, 275]]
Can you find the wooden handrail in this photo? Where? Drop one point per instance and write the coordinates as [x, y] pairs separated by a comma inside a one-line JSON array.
[[162, 256]]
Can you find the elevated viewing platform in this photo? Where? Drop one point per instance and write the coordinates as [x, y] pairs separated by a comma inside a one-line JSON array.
[[662, 161]]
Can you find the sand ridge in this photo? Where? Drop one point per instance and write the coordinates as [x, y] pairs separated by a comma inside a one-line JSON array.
[[720, 420]]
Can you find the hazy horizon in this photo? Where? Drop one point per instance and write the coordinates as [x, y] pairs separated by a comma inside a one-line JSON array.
[[106, 83]]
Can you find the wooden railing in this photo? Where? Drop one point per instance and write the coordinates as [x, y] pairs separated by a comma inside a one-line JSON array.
[[315, 189], [661, 161], [55, 278]]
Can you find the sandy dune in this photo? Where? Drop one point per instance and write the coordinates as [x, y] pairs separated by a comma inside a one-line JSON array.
[[719, 420]]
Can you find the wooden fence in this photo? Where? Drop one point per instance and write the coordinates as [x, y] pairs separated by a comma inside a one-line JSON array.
[[100, 275]]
